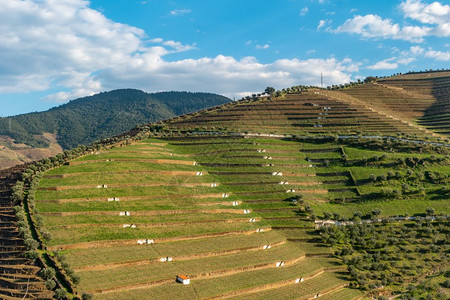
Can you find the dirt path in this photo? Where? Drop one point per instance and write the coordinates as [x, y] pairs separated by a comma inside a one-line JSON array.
[[122, 185], [154, 161], [170, 173]]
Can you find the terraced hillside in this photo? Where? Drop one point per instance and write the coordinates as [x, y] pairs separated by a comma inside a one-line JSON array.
[[233, 197], [17, 273], [130, 219], [422, 98], [310, 112], [229, 212]]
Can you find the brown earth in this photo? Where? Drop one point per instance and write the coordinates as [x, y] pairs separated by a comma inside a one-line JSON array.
[[12, 154]]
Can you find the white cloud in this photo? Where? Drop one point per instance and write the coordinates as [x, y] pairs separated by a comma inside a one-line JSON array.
[[369, 26], [304, 11], [435, 16], [434, 13], [178, 12], [373, 26], [85, 85], [226, 75], [416, 50], [443, 30], [67, 46], [438, 55], [178, 47], [156, 40], [50, 43], [408, 56], [323, 23], [383, 65], [265, 46], [413, 33], [406, 60]]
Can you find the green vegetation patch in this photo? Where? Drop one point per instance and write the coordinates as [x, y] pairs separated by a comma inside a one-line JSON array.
[[394, 257]]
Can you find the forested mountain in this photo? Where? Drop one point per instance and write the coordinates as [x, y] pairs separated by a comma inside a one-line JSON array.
[[87, 119]]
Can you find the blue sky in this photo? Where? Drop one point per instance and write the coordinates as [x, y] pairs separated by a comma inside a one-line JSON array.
[[56, 50]]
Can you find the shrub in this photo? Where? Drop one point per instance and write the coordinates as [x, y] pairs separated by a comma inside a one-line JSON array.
[[31, 254], [86, 296], [446, 283], [47, 236], [430, 211], [47, 273], [18, 193], [60, 294], [31, 243], [376, 212], [386, 192], [50, 284], [75, 279], [382, 177], [69, 271]]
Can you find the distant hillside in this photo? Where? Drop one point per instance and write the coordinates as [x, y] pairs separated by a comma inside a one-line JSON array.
[[33, 136], [87, 119], [435, 85]]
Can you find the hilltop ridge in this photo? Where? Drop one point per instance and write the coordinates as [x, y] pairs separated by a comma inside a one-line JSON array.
[[412, 104], [87, 119]]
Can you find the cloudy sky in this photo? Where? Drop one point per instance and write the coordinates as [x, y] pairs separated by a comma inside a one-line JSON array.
[[52, 51]]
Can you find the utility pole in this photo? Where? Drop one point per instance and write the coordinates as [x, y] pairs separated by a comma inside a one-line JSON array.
[[9, 123], [321, 79]]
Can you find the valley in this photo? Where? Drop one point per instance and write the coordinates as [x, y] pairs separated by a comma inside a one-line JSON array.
[[241, 199]]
